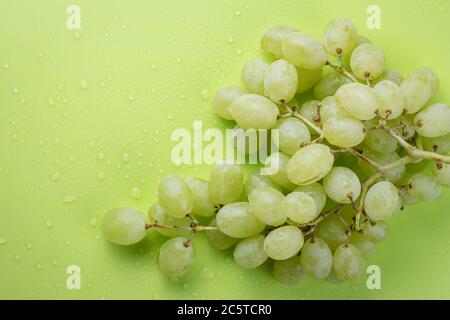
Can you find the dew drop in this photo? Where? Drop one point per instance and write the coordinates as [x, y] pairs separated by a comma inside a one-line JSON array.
[[237, 13], [101, 176], [126, 157], [83, 84], [3, 240], [93, 222], [5, 66], [101, 156], [238, 51], [206, 274], [49, 223], [77, 35], [231, 39], [135, 193], [55, 176], [169, 116], [29, 246], [15, 90], [205, 95], [38, 266], [69, 199], [131, 97], [17, 258]]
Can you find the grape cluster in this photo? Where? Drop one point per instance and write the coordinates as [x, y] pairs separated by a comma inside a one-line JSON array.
[[369, 144]]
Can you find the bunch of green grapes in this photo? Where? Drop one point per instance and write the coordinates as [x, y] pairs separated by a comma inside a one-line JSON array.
[[368, 145]]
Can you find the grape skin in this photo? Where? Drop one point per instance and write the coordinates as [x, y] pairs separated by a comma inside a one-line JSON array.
[[253, 76], [358, 100], [317, 192], [340, 37], [236, 220], [255, 180], [265, 205], [252, 111], [176, 257], [348, 263], [218, 239], [376, 232], [175, 196], [223, 99], [381, 201], [292, 134], [342, 185], [367, 61], [124, 226], [279, 160], [433, 121], [344, 132], [225, 184], [283, 242], [272, 40], [203, 206], [299, 207], [249, 253], [303, 51], [288, 272], [316, 258], [280, 81]]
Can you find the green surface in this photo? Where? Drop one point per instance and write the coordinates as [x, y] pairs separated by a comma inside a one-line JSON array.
[[59, 140]]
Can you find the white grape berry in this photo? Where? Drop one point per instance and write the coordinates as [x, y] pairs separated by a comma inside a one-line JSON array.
[[124, 226], [329, 84], [348, 263], [272, 40], [224, 98], [265, 205], [255, 180], [424, 188], [342, 185], [317, 192], [376, 232], [340, 37], [358, 100], [175, 196], [249, 253], [433, 121], [304, 51], [439, 144], [280, 81], [344, 132], [218, 239], [252, 111], [203, 205], [277, 164], [253, 75], [392, 102], [236, 220], [316, 258], [311, 111], [292, 133], [157, 215], [283, 243], [364, 246], [288, 271], [442, 174], [225, 183], [380, 141], [332, 231], [299, 207], [330, 110], [417, 91], [176, 257], [367, 61], [390, 75], [381, 201]]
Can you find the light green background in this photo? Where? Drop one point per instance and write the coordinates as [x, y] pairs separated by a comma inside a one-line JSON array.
[[167, 54]]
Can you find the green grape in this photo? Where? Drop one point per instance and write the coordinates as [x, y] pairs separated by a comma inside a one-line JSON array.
[[218, 239], [158, 215], [417, 91], [341, 184], [175, 196], [340, 37], [124, 226], [375, 232], [310, 110], [176, 257], [307, 79], [203, 206], [317, 192], [332, 231], [292, 133], [304, 51], [278, 162], [393, 175], [288, 271], [255, 180], [224, 98], [236, 220], [391, 99], [380, 141], [364, 246], [428, 74], [334, 278], [310, 164], [407, 199], [358, 100], [253, 75], [433, 121], [381, 201], [249, 253], [407, 130], [442, 174], [283, 243], [348, 263], [252, 111], [329, 110], [390, 75], [344, 132], [225, 183], [424, 188], [280, 81], [316, 258], [272, 40], [299, 207], [329, 84], [367, 61], [362, 40], [439, 144], [265, 205]]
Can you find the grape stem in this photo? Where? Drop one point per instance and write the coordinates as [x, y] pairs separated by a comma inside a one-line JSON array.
[[322, 216], [365, 188], [293, 112], [192, 228], [341, 70]]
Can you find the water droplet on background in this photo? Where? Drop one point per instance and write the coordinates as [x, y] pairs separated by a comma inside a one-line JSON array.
[[135, 193], [69, 199], [3, 240]]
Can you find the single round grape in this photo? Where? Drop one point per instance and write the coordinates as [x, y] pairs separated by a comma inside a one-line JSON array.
[[367, 61], [332, 231], [277, 162], [381, 201], [439, 144], [442, 174], [430, 75], [304, 51], [253, 75], [299, 207], [265, 205], [317, 192], [316, 258], [375, 232], [310, 164], [417, 91], [292, 134], [124, 226], [329, 110], [433, 121], [158, 215], [393, 175], [392, 102], [380, 141], [364, 246], [224, 98], [249, 253], [329, 84], [175, 196], [342, 185], [288, 271], [358, 100], [340, 37], [176, 257], [390, 75], [255, 180], [218, 239], [348, 262], [344, 132], [252, 111], [280, 81], [272, 40], [283, 243], [424, 188], [307, 78], [405, 126], [311, 111], [236, 220], [225, 183], [203, 206]]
